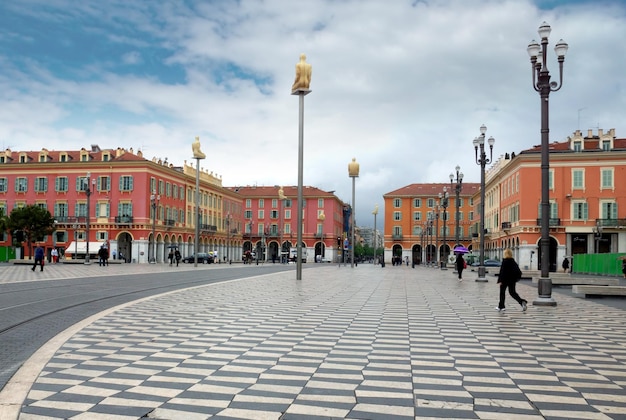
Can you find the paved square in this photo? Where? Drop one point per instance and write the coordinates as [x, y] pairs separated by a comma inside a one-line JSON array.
[[362, 343]]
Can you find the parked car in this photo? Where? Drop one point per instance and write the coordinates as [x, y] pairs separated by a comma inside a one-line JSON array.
[[203, 258], [488, 263]]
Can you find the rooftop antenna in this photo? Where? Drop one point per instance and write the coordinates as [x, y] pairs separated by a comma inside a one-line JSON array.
[[579, 110]]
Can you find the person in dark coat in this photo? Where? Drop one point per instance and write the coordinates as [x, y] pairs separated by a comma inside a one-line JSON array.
[[510, 274], [38, 258], [460, 265]]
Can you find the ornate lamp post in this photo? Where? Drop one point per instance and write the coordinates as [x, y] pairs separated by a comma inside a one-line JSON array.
[[283, 199], [430, 239], [541, 83], [227, 221], [437, 235], [597, 233], [443, 198], [353, 172], [321, 219], [375, 213], [458, 187], [154, 201], [479, 142], [88, 193]]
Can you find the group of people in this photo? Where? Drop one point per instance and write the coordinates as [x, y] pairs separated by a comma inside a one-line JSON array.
[[174, 255]]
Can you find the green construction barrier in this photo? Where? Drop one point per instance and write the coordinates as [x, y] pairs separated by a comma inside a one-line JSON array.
[[598, 264], [7, 253]]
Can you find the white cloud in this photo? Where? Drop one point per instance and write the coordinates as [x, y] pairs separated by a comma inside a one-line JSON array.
[[402, 88]]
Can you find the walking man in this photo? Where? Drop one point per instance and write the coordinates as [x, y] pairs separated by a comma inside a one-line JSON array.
[[38, 257]]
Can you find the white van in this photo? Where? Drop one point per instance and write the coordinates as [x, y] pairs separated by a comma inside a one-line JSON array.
[[293, 254]]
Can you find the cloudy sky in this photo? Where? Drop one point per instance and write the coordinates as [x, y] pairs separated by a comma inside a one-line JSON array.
[[401, 85]]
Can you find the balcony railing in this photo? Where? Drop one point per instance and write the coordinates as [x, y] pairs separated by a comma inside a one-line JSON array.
[[208, 228], [396, 237], [611, 223], [124, 220], [554, 221], [169, 222], [506, 225]]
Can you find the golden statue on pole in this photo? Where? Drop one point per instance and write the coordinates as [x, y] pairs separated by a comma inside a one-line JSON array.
[[303, 75]]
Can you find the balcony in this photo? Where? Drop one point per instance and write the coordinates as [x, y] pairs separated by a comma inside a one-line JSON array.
[[208, 228], [506, 225], [169, 222], [611, 223], [123, 220], [397, 237], [552, 222]]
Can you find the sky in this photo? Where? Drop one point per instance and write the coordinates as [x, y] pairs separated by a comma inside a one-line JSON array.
[[403, 86]]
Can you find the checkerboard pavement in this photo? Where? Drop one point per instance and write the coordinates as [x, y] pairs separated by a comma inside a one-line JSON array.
[[362, 343]]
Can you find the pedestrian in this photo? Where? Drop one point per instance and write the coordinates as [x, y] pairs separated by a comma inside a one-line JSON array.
[[170, 256], [565, 264], [177, 256], [38, 257], [55, 255], [460, 265], [624, 267], [510, 274], [101, 257], [106, 255], [114, 255]]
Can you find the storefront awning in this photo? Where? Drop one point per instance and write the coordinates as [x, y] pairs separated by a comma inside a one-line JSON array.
[[81, 247]]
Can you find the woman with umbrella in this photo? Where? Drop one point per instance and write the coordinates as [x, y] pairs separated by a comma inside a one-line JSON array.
[[460, 261]]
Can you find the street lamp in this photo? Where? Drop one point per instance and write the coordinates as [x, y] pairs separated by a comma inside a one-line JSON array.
[[443, 197], [458, 187], [541, 83], [429, 254], [375, 213], [154, 200], [321, 218], [436, 235], [283, 200], [479, 142], [597, 233], [197, 155], [227, 221], [88, 193], [353, 172]]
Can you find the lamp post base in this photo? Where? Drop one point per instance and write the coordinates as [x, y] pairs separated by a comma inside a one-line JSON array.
[[544, 288], [481, 275]]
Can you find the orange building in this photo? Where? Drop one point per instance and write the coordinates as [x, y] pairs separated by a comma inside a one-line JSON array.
[[414, 221], [587, 200], [270, 222], [124, 199]]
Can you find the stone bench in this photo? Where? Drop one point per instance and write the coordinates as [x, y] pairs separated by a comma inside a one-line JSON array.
[[587, 290], [572, 281]]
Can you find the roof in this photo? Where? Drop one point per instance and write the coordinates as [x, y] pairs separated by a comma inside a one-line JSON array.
[[72, 156], [289, 191], [591, 145], [431, 190]]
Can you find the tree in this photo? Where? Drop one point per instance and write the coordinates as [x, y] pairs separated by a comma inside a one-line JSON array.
[[33, 222], [4, 223]]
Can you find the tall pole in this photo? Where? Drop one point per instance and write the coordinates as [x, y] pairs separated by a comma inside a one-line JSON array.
[[542, 84], [444, 204], [153, 201], [479, 143], [457, 189], [88, 193], [375, 213], [353, 172], [301, 89], [228, 238], [197, 155], [437, 235]]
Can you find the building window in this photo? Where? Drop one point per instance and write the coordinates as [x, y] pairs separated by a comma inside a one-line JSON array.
[[417, 230], [248, 203], [63, 157], [126, 183], [320, 203], [21, 184], [274, 214], [102, 209], [80, 209], [417, 216], [287, 214], [397, 202], [81, 183], [161, 187], [61, 212], [551, 179], [578, 179], [83, 157], [417, 202], [102, 235], [274, 203], [397, 231], [430, 203], [168, 189], [261, 203], [261, 214], [3, 184], [22, 158], [606, 145], [247, 214], [397, 215], [125, 209], [42, 158], [578, 146], [579, 211], [61, 184], [609, 210], [104, 183], [607, 178]]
